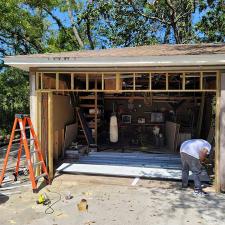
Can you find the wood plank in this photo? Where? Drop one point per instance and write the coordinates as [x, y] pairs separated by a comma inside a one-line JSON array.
[[87, 97], [133, 91], [118, 81], [56, 144], [43, 134], [96, 115], [110, 84], [171, 135], [178, 98], [176, 137], [63, 115], [220, 133], [86, 129], [70, 134], [87, 105], [200, 116], [50, 135], [63, 141]]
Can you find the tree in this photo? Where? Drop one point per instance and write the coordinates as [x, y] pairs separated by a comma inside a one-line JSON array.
[[14, 95], [211, 27], [174, 18], [115, 24], [21, 31]]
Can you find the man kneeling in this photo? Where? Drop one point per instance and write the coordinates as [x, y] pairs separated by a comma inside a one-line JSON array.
[[193, 152]]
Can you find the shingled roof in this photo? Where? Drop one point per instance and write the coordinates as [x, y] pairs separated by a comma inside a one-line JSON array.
[[142, 56], [148, 50]]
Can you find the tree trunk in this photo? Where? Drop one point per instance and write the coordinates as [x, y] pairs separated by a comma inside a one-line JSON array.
[[75, 31], [89, 33]]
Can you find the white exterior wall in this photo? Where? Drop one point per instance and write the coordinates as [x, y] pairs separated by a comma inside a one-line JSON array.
[[33, 101]]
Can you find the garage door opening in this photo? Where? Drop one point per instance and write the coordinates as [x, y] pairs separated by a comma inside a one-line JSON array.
[[155, 112]]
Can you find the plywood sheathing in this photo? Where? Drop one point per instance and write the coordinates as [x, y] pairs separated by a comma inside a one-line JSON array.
[[63, 114], [70, 134], [172, 131], [43, 134]]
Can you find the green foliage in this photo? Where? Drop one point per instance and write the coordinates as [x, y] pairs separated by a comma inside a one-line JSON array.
[[14, 95], [21, 30], [31, 26], [211, 28]]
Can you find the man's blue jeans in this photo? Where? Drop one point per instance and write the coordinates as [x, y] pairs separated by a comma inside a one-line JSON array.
[[190, 163]]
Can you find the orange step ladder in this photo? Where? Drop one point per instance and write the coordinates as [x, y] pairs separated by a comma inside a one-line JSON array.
[[24, 123]]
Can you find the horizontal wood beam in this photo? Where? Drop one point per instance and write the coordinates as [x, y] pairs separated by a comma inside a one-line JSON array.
[[118, 77], [128, 91]]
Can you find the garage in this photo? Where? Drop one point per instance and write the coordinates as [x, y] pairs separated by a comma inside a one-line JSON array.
[[130, 107]]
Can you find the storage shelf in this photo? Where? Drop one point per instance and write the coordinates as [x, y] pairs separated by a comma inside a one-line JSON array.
[[141, 124], [91, 102], [92, 116], [87, 97], [153, 98], [87, 106]]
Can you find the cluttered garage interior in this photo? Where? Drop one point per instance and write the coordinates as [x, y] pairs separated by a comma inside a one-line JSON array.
[[141, 112]]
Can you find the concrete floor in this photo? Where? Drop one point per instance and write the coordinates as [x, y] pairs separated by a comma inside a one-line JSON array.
[[113, 201]]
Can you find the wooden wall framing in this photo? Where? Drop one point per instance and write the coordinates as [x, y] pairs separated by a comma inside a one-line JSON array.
[[118, 77]]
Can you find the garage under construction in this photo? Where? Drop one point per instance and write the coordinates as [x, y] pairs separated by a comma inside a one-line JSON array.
[[125, 112]]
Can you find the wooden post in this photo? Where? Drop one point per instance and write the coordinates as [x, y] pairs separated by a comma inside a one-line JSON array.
[[72, 81], [50, 135], [200, 115], [33, 108], [103, 83], [134, 84], [87, 82], [183, 81], [220, 133], [201, 81], [96, 113], [117, 82], [57, 81], [150, 81], [38, 132], [41, 81], [167, 81], [37, 75]]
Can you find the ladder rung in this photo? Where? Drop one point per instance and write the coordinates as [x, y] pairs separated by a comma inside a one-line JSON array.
[[32, 152], [37, 163], [40, 176], [31, 139], [28, 127], [14, 140]]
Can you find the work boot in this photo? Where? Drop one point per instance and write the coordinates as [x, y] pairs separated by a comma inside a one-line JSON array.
[[200, 193]]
